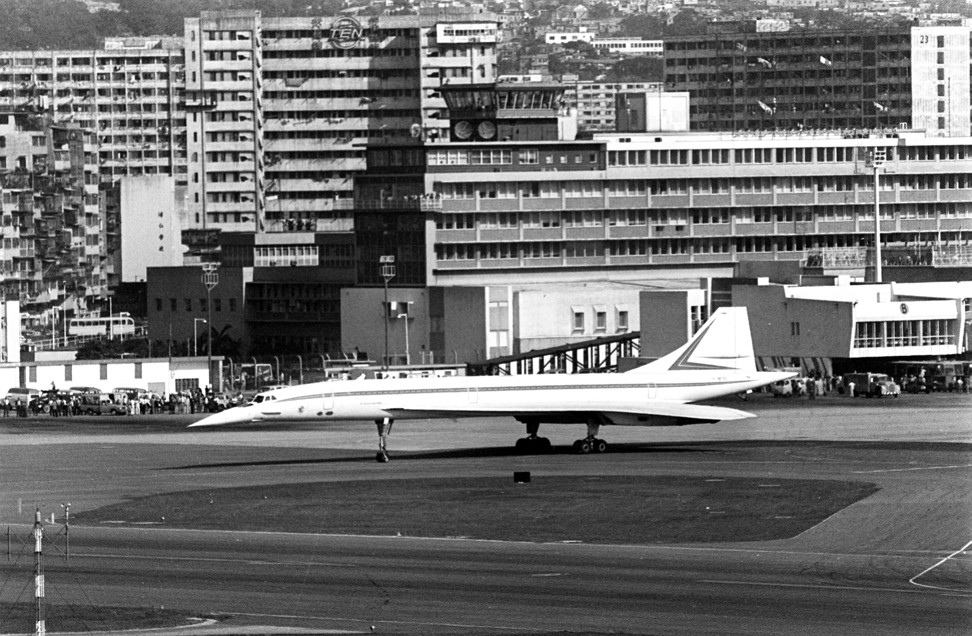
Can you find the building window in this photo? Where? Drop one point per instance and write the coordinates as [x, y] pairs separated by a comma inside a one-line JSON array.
[[103, 371], [188, 303], [232, 304], [138, 370], [158, 304], [794, 329], [172, 304], [529, 156], [622, 320], [578, 325], [218, 304], [600, 321], [68, 373]]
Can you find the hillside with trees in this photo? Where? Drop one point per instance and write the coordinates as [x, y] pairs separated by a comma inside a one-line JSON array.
[[67, 24]]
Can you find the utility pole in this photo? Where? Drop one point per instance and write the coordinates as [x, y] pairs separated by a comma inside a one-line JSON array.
[[387, 269]]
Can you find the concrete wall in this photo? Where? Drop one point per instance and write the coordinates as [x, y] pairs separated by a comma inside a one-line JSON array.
[[155, 374], [363, 322], [666, 319], [544, 316], [150, 219], [185, 283], [10, 331], [826, 329]]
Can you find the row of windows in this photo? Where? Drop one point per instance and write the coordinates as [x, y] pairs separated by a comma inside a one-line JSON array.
[[696, 216], [319, 32], [746, 185], [782, 155], [187, 304], [374, 73], [630, 247], [365, 96], [903, 333], [334, 116], [317, 52]]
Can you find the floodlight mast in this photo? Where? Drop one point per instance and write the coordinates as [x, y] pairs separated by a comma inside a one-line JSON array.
[[387, 269]]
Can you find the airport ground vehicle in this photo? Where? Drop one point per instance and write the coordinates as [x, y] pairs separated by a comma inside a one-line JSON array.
[[872, 384], [99, 404]]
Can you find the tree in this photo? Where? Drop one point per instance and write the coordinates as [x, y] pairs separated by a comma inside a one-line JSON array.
[[637, 69], [649, 26]]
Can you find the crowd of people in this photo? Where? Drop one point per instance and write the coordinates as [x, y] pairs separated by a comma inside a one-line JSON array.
[[68, 403]]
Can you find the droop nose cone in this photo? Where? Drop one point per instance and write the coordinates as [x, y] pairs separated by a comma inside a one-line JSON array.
[[237, 415]]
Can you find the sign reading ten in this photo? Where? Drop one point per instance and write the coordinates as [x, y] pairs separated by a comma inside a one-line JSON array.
[[346, 32]]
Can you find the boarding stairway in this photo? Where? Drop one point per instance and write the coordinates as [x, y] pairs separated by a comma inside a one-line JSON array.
[[600, 355]]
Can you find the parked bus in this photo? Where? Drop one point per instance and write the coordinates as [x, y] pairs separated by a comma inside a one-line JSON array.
[[118, 325]]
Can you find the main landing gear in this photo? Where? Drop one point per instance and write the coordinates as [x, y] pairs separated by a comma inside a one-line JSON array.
[[532, 444], [590, 444], [384, 429]]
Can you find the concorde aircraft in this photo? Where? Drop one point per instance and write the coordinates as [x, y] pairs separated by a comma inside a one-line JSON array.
[[717, 361]]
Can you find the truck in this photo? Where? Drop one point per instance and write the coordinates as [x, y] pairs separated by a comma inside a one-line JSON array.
[[871, 384]]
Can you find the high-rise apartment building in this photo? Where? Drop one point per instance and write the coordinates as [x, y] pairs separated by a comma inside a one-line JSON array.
[[915, 78], [129, 93], [52, 235], [279, 109]]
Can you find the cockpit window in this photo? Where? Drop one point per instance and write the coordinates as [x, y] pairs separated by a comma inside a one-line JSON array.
[[263, 398]]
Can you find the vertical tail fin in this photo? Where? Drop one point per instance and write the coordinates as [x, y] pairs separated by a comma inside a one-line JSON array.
[[723, 342]]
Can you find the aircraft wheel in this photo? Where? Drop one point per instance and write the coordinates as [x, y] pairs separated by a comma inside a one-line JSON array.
[[381, 458], [583, 446], [600, 446], [544, 445], [522, 446]]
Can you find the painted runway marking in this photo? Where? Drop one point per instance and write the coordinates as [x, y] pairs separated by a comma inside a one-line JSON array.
[[388, 622], [827, 587], [903, 470], [914, 580]]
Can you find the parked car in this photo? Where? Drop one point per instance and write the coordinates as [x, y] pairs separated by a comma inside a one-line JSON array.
[[85, 389], [100, 404], [20, 395], [782, 388]]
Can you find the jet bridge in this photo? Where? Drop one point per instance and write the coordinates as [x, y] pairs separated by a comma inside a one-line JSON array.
[[600, 355]]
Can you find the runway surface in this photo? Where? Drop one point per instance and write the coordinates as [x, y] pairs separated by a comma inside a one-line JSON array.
[[896, 562]]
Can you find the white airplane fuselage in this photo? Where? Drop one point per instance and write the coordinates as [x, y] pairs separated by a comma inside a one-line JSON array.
[[547, 398]]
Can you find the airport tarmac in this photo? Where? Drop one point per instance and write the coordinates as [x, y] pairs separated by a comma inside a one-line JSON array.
[[895, 562]]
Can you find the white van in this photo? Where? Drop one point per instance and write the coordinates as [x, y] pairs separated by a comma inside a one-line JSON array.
[[18, 395]]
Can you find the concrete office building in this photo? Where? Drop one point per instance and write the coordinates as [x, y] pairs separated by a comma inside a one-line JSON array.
[[541, 206], [849, 326], [596, 102], [915, 78]]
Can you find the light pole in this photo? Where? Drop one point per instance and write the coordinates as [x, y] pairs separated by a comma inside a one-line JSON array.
[[387, 269], [210, 279], [408, 357], [878, 158], [195, 340]]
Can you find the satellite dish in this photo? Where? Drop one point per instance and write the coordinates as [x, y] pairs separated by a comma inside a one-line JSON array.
[[486, 130], [463, 130], [416, 131]]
